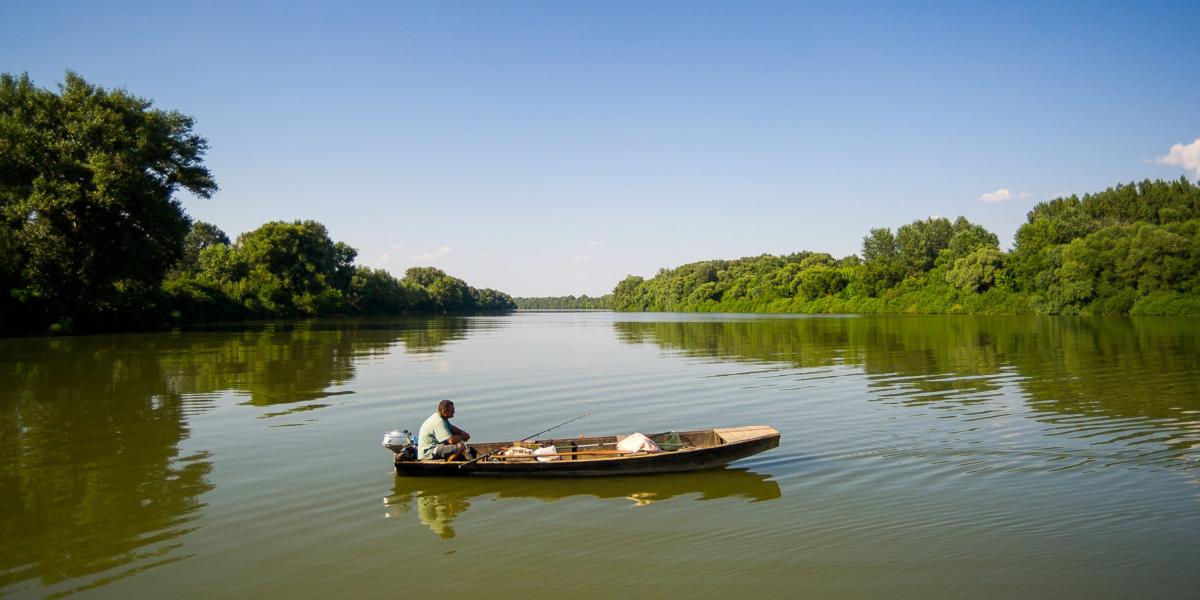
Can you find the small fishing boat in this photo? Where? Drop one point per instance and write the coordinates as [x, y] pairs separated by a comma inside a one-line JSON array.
[[596, 456]]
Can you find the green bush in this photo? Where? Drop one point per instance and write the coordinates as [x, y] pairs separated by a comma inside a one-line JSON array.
[[1168, 304], [195, 301]]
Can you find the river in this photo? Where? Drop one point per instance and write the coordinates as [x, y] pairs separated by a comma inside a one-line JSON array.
[[921, 456]]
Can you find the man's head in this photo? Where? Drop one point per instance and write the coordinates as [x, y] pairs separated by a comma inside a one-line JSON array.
[[446, 409]]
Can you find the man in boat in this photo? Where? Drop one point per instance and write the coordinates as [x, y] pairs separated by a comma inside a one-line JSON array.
[[439, 438]]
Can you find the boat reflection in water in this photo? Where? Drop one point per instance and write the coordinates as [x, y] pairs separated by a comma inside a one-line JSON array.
[[439, 500]]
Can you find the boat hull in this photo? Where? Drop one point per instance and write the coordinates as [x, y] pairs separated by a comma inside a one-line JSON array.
[[735, 444]]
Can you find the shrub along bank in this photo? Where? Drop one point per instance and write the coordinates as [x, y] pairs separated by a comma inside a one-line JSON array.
[[1131, 249]]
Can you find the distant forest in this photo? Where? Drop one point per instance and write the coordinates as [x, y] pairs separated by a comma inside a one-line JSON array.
[[92, 237], [1131, 249], [583, 302]]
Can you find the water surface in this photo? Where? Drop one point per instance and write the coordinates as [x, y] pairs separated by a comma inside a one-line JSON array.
[[937, 457]]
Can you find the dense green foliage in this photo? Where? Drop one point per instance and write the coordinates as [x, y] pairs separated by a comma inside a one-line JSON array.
[[583, 302], [1132, 249], [89, 224], [295, 270], [92, 237]]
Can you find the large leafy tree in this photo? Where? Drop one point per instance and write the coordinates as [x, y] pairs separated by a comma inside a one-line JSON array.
[[882, 266], [294, 268], [967, 237], [201, 236], [977, 271], [628, 295], [920, 243], [89, 221], [880, 245], [450, 294]]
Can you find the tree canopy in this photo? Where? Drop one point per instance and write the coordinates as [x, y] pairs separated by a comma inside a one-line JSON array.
[[583, 302], [89, 222], [1134, 249], [295, 269], [93, 237]]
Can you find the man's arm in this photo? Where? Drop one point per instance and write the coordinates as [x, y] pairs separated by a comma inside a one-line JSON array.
[[458, 435], [447, 433]]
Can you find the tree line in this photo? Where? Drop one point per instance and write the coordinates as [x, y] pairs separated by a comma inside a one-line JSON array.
[[92, 237], [1131, 249], [294, 269], [583, 302]]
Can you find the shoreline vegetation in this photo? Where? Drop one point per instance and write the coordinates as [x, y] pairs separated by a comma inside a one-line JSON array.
[[583, 302], [93, 239], [1133, 249]]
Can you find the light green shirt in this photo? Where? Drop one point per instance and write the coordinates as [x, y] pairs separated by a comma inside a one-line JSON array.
[[435, 430]]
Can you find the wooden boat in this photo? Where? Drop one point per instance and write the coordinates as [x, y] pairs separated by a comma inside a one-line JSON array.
[[597, 456]]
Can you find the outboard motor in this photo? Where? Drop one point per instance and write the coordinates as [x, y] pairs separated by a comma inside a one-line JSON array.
[[402, 443]]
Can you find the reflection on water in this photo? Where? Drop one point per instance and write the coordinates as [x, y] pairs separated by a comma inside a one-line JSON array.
[[439, 500], [1131, 383], [279, 363], [932, 457], [90, 427], [91, 475]]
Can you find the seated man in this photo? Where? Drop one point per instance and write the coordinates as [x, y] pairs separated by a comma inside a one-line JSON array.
[[438, 438]]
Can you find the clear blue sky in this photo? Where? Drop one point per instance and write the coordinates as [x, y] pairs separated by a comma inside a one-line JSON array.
[[551, 148]]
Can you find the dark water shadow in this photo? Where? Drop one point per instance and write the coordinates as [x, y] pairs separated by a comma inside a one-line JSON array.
[[438, 501]]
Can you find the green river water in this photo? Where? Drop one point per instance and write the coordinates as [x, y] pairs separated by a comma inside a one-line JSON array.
[[921, 457]]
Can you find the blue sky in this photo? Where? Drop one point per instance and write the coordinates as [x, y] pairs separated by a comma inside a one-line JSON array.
[[551, 148]]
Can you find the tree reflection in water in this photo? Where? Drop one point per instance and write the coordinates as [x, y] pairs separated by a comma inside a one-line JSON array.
[[89, 461], [95, 488], [289, 362], [439, 500], [1065, 364], [1134, 373]]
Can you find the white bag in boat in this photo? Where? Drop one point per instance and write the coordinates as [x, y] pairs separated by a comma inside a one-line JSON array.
[[546, 454], [636, 442]]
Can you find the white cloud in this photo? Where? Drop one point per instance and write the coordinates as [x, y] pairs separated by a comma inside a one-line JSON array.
[[1186, 156], [1003, 195], [384, 259], [431, 256], [597, 243], [579, 259], [1000, 195]]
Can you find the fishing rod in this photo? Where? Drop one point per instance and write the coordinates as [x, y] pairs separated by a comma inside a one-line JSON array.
[[479, 458]]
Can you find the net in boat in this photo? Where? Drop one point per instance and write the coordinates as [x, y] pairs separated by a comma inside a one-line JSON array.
[[670, 441]]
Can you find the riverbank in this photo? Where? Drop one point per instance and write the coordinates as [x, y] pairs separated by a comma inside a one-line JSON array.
[[1132, 249], [926, 302]]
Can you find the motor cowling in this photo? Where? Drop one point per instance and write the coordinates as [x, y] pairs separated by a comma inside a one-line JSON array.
[[402, 443]]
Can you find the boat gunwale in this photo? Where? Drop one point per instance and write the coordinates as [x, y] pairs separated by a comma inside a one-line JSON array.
[[678, 460]]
